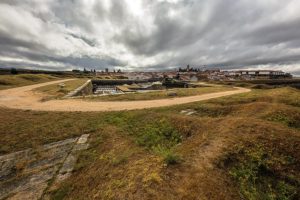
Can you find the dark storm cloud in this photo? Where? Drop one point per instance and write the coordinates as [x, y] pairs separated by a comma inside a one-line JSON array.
[[150, 35], [276, 33], [86, 40]]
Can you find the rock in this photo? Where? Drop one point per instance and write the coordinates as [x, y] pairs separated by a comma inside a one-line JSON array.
[[188, 112], [61, 85]]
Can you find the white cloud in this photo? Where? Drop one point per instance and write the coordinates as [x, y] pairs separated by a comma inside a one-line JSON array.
[[148, 34]]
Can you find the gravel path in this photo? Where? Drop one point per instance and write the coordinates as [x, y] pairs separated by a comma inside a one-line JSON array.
[[24, 98]]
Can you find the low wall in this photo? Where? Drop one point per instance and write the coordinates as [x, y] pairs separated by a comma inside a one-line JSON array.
[[121, 81], [84, 90]]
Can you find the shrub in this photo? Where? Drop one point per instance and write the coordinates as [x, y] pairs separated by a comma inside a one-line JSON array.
[[170, 158], [13, 71]]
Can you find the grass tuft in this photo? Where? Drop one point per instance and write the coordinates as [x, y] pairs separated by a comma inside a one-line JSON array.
[[169, 156]]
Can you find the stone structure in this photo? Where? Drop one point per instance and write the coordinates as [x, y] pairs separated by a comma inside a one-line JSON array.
[[84, 90], [26, 174]]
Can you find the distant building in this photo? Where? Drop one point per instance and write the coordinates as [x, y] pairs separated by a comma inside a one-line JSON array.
[[259, 74], [194, 78]]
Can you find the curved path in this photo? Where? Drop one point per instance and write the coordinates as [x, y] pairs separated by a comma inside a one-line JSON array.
[[24, 98]]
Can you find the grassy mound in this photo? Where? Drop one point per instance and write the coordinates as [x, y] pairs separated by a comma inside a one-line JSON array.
[[266, 170], [55, 91], [10, 81], [244, 146]]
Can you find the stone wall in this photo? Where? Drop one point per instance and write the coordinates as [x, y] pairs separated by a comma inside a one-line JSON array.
[[84, 90]]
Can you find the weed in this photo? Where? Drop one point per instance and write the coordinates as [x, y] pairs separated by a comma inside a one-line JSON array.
[[169, 156], [152, 178], [257, 170], [61, 192], [291, 119], [120, 159]]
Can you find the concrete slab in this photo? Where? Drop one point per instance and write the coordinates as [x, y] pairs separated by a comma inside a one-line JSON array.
[[26, 174]]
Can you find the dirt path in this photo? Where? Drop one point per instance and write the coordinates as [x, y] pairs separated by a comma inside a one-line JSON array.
[[24, 98]]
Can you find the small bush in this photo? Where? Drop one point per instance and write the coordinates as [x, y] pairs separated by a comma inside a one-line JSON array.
[[13, 71], [170, 158]]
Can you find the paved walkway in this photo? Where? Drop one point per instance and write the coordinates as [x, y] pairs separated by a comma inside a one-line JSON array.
[[26, 174], [25, 98]]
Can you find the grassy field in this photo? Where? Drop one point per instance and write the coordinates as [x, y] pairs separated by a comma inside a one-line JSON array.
[[245, 146], [10, 81], [263, 83], [180, 92], [55, 91]]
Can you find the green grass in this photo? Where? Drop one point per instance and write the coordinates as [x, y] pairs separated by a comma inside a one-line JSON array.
[[168, 154], [263, 172], [10, 81], [181, 92], [153, 132], [158, 133]]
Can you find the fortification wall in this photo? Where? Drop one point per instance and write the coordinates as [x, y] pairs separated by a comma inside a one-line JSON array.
[[84, 90]]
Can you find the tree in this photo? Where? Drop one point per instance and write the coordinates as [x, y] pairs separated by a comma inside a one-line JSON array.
[[85, 71], [13, 71]]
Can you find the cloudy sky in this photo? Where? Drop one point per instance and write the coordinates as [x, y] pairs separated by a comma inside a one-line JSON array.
[[150, 34]]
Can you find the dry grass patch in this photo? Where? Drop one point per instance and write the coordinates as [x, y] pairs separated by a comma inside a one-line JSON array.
[[181, 92], [55, 91], [24, 129], [115, 169], [229, 143], [10, 81]]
